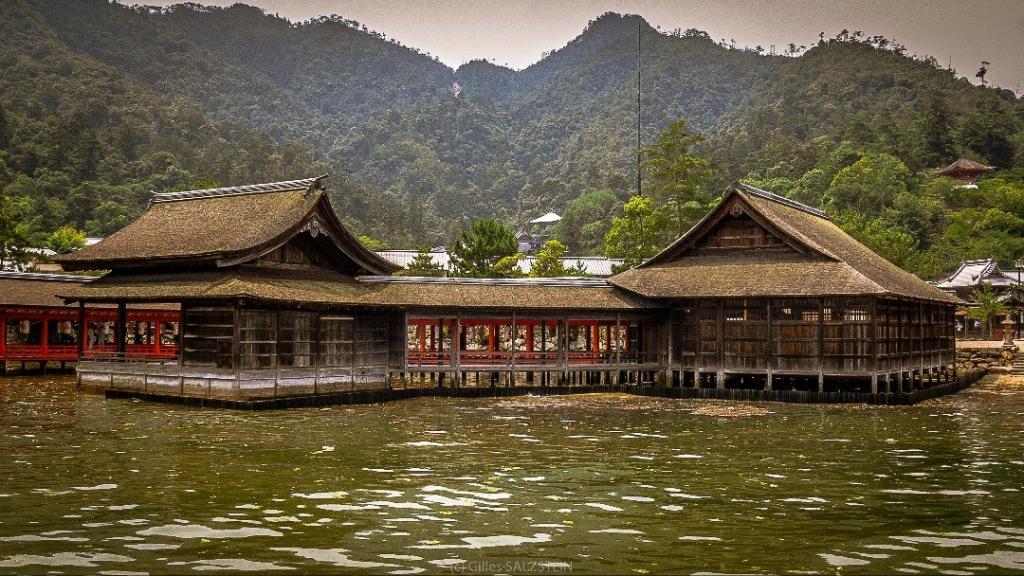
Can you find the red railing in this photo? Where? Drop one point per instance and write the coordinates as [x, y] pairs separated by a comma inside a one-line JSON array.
[[50, 340]]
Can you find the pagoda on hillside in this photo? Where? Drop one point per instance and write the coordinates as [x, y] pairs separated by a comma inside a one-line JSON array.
[[967, 171]]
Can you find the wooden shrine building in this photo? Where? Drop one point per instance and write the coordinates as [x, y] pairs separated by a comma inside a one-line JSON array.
[[966, 171], [279, 300]]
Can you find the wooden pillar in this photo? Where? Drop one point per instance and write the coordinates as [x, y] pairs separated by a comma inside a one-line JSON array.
[[120, 329], [768, 346], [44, 341], [180, 341], [83, 330], [617, 347], [562, 337], [821, 345], [669, 349], [921, 340], [901, 340], [720, 346], [490, 338], [512, 352], [456, 355]]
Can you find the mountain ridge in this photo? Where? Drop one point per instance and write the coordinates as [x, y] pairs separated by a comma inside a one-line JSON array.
[[512, 143]]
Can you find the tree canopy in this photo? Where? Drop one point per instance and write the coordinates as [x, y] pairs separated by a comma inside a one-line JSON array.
[[475, 252]]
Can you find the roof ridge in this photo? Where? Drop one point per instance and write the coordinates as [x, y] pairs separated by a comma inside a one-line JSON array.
[[549, 281], [311, 184], [42, 276], [781, 200]]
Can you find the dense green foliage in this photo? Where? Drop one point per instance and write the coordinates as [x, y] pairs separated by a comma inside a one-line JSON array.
[[641, 231], [101, 103], [478, 251], [678, 180], [549, 260], [988, 307], [423, 265]]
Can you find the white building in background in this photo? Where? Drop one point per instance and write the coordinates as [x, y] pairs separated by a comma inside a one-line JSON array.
[[599, 266]]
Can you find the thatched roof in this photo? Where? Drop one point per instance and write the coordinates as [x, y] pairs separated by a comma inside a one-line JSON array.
[[817, 259], [319, 288], [36, 289], [226, 226], [32, 289]]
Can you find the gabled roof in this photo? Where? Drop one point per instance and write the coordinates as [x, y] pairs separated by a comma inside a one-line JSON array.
[[226, 226], [820, 259], [972, 273], [963, 165]]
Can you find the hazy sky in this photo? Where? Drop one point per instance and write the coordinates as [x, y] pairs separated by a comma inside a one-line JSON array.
[[516, 32]]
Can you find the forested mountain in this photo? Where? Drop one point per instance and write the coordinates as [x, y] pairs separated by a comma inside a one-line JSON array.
[[100, 103]]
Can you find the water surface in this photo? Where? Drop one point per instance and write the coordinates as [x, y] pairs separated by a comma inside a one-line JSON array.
[[595, 483]]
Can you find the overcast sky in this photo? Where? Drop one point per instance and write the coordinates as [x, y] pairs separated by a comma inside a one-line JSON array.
[[516, 32]]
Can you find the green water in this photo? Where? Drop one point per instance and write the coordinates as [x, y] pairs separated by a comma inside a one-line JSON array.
[[551, 485]]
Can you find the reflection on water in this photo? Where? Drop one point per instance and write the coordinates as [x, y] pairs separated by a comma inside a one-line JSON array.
[[582, 484]]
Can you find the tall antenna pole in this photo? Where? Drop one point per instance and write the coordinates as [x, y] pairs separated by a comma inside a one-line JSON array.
[[639, 183], [639, 179]]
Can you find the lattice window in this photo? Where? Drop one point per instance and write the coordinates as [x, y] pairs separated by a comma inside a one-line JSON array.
[[257, 339], [209, 335]]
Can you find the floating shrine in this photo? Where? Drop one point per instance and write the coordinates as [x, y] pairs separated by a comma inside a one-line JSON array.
[[278, 300]]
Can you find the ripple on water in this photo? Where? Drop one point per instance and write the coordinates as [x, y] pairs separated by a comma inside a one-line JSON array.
[[153, 546], [605, 507], [1009, 560], [938, 541], [235, 564], [478, 542], [199, 531], [337, 494], [334, 556], [79, 560], [841, 561], [96, 487], [42, 538]]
